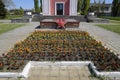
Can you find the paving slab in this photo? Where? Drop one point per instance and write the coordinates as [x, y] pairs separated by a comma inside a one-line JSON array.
[[8, 39], [5, 21], [59, 73]]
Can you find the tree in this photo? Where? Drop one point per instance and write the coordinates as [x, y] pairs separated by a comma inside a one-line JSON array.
[[18, 11], [3, 11], [118, 12], [116, 8], [86, 5], [99, 5], [40, 5], [95, 6], [36, 6], [21, 11], [79, 6], [8, 3], [103, 6]]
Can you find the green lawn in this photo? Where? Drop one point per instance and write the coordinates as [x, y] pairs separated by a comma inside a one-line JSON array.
[[111, 18], [114, 27], [7, 27], [13, 16], [115, 22]]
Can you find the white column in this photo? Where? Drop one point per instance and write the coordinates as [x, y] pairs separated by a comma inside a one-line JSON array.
[[46, 7], [73, 7]]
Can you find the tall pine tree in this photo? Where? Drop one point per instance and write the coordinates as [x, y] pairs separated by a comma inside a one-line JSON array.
[[36, 5], [86, 5], [79, 6], [116, 8], [118, 13], [2, 10], [40, 5]]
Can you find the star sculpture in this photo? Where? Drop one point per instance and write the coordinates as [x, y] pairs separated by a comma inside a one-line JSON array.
[[61, 22]]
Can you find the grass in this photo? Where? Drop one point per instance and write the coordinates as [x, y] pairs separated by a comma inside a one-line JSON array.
[[111, 18], [93, 77], [115, 22], [13, 16], [7, 27], [113, 27]]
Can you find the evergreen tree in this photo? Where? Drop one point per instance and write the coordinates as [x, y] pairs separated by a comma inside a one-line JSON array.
[[40, 5], [116, 8], [36, 6], [86, 5], [3, 11], [79, 5]]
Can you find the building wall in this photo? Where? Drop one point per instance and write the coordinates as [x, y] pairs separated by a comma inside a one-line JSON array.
[[46, 7], [73, 7], [52, 6]]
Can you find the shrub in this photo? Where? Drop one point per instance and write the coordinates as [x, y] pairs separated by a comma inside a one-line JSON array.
[[3, 11]]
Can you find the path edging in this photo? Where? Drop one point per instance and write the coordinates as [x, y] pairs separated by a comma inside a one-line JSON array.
[[24, 73]]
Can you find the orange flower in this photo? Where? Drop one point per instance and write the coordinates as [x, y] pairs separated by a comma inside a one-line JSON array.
[[1, 64], [27, 50]]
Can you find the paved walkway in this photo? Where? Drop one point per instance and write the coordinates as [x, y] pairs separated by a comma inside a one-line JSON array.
[[5, 21], [108, 38], [59, 73], [7, 40]]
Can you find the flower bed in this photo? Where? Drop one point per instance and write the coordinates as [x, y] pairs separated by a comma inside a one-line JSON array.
[[59, 46]]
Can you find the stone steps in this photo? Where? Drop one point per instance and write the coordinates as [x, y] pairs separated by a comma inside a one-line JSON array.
[[39, 18]]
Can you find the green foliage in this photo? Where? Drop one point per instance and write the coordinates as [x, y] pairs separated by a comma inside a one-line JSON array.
[[18, 11], [36, 6], [116, 8], [86, 5], [3, 11], [92, 9], [95, 8], [40, 5], [9, 17], [79, 6]]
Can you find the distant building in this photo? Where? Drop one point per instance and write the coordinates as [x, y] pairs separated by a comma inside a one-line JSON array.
[[105, 11], [59, 7], [108, 8], [28, 12]]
